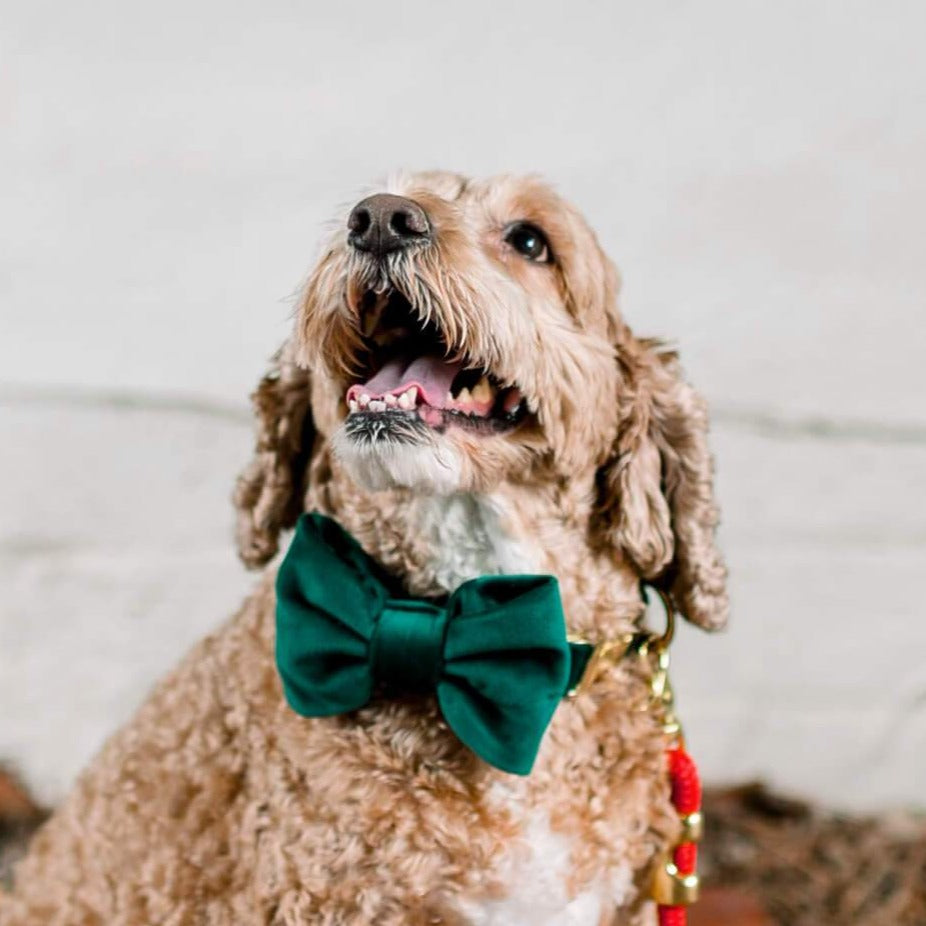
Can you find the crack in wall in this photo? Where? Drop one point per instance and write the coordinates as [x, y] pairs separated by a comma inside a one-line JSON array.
[[819, 427], [764, 423]]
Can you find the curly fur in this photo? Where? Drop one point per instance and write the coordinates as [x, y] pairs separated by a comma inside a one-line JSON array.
[[217, 804]]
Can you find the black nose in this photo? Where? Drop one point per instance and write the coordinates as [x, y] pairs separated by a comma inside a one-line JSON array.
[[383, 223]]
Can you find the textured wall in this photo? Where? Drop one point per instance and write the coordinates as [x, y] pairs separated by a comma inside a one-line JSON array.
[[755, 169]]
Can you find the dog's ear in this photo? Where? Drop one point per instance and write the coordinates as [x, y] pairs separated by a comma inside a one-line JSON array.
[[656, 497], [269, 492]]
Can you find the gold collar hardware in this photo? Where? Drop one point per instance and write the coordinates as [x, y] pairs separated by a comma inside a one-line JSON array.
[[605, 655], [608, 653]]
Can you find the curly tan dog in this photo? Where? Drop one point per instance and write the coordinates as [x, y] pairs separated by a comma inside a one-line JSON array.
[[461, 394]]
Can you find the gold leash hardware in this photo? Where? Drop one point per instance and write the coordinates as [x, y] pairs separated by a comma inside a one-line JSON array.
[[692, 827], [656, 650], [670, 887], [673, 889], [662, 697]]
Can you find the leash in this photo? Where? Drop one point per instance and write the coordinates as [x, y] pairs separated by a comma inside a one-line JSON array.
[[675, 884]]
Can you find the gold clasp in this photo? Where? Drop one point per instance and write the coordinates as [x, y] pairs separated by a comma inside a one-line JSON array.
[[672, 888], [692, 827], [663, 696], [656, 649]]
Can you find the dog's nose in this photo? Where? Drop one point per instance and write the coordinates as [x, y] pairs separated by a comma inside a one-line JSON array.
[[384, 223]]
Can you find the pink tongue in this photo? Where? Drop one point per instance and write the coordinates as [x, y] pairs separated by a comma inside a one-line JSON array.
[[432, 376]]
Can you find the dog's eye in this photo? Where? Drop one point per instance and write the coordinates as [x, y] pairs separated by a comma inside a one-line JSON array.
[[529, 242]]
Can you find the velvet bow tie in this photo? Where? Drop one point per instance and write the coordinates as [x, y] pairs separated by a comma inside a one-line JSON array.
[[495, 652]]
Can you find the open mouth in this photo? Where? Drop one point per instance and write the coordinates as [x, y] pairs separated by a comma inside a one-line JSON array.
[[409, 370]]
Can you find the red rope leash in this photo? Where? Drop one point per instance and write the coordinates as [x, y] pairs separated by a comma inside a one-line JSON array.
[[686, 798], [675, 886], [675, 882]]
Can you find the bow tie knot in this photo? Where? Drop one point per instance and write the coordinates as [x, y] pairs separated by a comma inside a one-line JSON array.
[[406, 650]]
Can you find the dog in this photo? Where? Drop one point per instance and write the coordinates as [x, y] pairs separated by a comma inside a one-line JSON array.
[[461, 394]]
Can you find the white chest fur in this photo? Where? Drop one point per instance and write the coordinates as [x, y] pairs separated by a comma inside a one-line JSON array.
[[534, 875], [468, 537]]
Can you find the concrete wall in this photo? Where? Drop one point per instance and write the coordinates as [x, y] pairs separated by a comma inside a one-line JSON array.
[[755, 169]]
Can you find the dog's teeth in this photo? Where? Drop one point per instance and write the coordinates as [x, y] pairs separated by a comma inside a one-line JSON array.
[[391, 400], [482, 391], [408, 398], [364, 400], [377, 405], [352, 405], [450, 398], [464, 397], [512, 400]]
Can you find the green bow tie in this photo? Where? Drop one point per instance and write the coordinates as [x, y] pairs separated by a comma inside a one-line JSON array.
[[495, 652]]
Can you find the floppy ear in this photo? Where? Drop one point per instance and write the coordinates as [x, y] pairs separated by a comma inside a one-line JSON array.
[[269, 492], [656, 497]]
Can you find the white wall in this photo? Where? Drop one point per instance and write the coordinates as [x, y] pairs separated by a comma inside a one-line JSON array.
[[755, 169]]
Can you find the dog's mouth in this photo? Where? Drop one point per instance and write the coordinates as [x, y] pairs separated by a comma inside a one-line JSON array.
[[411, 372]]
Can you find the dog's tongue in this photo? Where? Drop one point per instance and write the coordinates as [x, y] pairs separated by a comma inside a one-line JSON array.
[[431, 374]]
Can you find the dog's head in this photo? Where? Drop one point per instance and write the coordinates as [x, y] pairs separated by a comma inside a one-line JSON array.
[[468, 330], [457, 335]]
